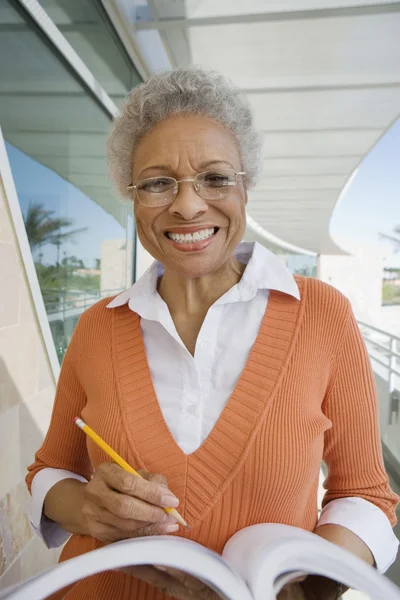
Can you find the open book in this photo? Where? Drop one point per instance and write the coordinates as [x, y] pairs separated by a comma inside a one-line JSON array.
[[255, 564]]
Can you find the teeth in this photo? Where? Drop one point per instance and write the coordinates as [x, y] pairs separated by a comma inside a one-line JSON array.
[[203, 234]]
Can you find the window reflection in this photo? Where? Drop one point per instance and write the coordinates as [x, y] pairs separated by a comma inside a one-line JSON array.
[[81, 253], [88, 30], [80, 234]]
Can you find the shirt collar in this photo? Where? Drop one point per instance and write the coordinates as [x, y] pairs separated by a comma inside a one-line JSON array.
[[264, 271]]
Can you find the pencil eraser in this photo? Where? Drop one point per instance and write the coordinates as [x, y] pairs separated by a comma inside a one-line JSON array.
[[78, 421]]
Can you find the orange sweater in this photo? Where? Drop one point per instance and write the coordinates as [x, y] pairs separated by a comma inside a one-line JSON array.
[[307, 394]]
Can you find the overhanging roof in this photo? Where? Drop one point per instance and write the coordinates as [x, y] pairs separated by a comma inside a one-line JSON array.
[[324, 80], [46, 108]]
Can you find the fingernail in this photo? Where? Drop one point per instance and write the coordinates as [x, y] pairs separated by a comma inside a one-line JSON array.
[[172, 528], [169, 501], [168, 518]]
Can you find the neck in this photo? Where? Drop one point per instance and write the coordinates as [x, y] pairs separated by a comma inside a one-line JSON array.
[[195, 296]]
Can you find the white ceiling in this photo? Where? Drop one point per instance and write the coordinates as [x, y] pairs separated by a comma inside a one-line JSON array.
[[324, 81], [323, 78]]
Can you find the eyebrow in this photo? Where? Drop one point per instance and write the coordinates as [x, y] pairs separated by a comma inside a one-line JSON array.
[[208, 163], [203, 165]]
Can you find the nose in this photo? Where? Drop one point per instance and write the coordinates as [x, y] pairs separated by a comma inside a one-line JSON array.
[[187, 203]]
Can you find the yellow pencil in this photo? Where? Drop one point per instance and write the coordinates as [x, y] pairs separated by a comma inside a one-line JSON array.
[[120, 461]]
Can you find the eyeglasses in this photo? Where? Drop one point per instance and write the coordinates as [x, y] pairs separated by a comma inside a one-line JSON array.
[[210, 185]]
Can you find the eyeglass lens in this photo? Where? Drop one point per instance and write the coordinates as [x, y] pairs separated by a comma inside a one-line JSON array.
[[210, 185]]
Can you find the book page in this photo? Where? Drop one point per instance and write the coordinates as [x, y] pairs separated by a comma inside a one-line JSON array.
[[169, 551], [250, 551], [269, 555]]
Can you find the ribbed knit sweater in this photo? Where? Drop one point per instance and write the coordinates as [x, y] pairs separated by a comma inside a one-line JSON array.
[[306, 394]]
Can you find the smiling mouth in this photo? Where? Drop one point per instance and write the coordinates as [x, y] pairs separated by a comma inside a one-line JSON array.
[[190, 238]]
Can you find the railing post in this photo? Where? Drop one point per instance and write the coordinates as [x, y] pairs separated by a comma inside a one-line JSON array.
[[392, 364], [394, 394]]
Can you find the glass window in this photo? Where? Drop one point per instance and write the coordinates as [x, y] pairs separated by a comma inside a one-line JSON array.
[[302, 264], [81, 235], [298, 264], [88, 29]]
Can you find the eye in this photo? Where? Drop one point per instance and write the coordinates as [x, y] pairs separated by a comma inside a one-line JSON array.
[[156, 185], [216, 180]]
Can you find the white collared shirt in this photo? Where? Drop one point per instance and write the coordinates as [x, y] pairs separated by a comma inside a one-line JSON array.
[[193, 390]]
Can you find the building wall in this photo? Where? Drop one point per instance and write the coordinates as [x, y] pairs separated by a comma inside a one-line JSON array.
[[143, 259], [116, 266], [26, 397], [359, 277]]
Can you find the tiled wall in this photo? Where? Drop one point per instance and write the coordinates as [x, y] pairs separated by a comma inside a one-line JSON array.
[[26, 396]]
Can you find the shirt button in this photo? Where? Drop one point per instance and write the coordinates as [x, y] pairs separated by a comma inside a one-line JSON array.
[[192, 410], [204, 345]]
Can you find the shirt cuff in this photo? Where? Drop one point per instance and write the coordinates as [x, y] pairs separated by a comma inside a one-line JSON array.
[[368, 522], [51, 533]]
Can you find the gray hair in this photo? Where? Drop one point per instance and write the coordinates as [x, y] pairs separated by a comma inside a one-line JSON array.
[[186, 90]]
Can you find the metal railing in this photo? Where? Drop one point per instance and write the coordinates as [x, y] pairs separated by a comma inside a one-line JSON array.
[[63, 310], [384, 351], [72, 301], [389, 350]]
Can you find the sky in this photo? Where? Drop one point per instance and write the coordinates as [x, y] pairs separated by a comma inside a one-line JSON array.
[[371, 204], [37, 184]]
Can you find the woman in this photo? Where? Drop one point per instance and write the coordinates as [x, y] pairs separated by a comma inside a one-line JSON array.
[[217, 369]]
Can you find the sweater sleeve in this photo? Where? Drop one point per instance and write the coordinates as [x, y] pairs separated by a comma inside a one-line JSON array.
[[352, 447], [65, 446]]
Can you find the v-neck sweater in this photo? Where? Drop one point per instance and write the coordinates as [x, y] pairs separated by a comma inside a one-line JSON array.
[[306, 394]]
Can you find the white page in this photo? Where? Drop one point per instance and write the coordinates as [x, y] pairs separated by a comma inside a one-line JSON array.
[[263, 552], [161, 550]]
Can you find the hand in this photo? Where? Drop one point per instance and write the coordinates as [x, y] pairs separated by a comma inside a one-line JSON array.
[[174, 583], [292, 591], [313, 587], [117, 505]]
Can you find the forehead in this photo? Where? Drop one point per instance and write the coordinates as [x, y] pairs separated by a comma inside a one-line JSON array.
[[192, 137]]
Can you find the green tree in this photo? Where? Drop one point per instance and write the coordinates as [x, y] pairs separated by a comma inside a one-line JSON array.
[[43, 228], [394, 238], [72, 262]]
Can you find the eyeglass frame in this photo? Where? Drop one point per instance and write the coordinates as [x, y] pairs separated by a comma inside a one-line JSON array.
[[131, 186]]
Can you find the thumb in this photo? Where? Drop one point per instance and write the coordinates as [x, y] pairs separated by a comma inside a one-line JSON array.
[[158, 478], [153, 477]]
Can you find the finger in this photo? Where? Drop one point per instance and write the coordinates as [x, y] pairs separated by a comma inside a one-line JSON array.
[[134, 525], [162, 581], [195, 588], [154, 477], [188, 581], [158, 478], [149, 574], [300, 578], [292, 591], [108, 533], [165, 579], [126, 507], [132, 485], [156, 529]]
